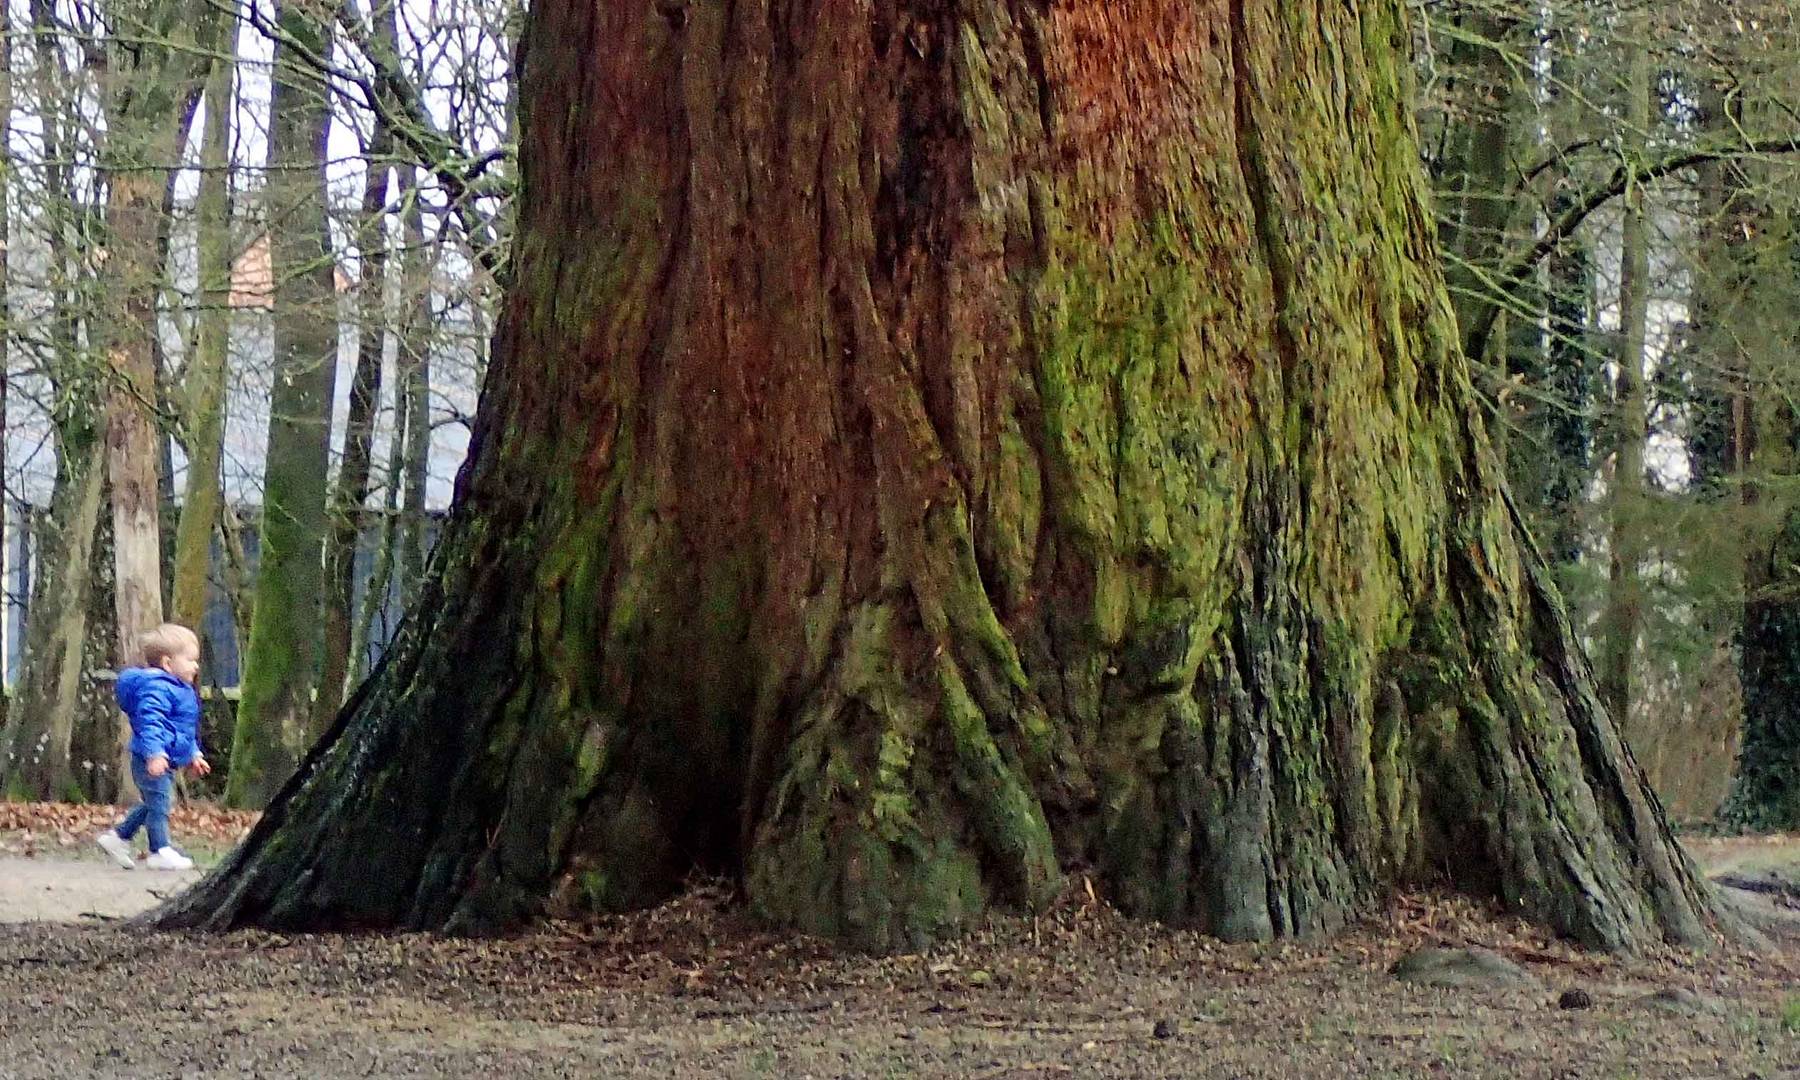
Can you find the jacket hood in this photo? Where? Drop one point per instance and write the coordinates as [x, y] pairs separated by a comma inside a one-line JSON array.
[[134, 681]]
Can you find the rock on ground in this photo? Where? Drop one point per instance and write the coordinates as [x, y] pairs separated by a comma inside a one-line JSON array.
[[1473, 967]]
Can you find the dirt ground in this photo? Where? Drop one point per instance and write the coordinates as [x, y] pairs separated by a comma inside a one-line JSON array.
[[694, 989]]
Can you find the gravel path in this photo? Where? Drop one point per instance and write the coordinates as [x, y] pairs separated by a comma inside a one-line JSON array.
[[80, 890]]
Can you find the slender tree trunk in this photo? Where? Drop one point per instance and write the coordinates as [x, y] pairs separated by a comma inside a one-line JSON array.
[[352, 493], [238, 587], [417, 345], [1726, 295], [930, 446], [375, 597], [151, 90], [167, 377], [1755, 438], [280, 670], [6, 355], [212, 352], [96, 741], [1766, 792], [1479, 177], [130, 431], [1553, 366], [40, 724], [415, 372], [1623, 617], [36, 744], [411, 386], [1573, 377]]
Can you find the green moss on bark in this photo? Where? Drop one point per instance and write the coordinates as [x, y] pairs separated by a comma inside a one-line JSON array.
[[1009, 439]]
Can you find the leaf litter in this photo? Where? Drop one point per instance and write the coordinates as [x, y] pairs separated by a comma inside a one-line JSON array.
[[32, 828], [696, 987]]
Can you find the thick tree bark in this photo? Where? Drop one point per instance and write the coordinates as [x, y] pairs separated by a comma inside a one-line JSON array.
[[927, 447], [280, 668], [206, 373]]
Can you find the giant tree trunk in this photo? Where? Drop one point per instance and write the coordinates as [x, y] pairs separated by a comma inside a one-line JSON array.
[[280, 668], [930, 446]]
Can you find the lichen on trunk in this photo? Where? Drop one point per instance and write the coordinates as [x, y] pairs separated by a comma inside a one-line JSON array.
[[931, 446], [274, 719], [204, 381]]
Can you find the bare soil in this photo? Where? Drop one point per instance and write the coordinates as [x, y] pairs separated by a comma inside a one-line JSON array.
[[694, 988]]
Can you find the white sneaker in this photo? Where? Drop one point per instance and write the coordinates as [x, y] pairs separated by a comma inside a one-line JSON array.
[[118, 847], [168, 859]]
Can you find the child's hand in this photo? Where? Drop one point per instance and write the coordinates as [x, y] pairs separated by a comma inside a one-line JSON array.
[[200, 766], [156, 766]]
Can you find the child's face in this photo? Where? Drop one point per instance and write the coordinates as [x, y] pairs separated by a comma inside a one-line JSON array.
[[184, 664]]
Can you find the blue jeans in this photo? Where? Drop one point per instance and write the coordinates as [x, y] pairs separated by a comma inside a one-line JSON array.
[[151, 815]]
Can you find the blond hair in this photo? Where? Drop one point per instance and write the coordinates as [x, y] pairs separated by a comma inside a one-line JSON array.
[[167, 640]]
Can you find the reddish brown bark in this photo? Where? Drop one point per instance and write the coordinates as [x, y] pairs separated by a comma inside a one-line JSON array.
[[931, 444]]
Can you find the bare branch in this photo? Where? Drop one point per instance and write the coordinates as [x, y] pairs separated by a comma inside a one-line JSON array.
[[1621, 181]]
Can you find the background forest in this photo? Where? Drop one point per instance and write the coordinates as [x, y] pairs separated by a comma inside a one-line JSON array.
[[252, 255]]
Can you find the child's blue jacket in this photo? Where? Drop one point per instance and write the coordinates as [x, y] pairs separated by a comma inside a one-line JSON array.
[[164, 713]]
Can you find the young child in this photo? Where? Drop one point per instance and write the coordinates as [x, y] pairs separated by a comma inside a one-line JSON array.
[[164, 708]]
